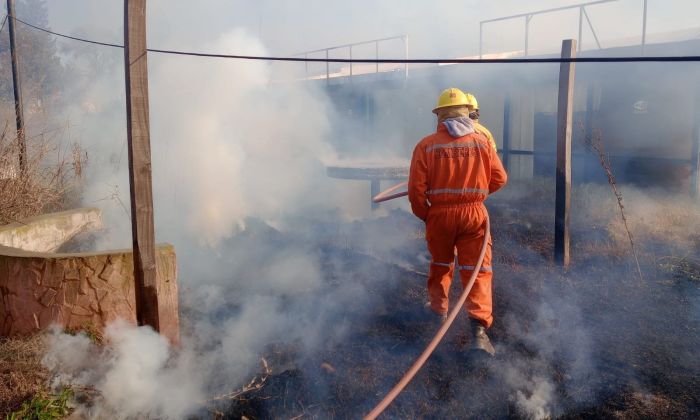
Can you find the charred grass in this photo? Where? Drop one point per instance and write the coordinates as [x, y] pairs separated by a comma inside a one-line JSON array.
[[588, 342], [631, 353]]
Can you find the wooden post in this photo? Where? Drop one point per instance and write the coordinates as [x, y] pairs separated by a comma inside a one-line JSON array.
[[506, 133], [563, 174], [17, 88], [140, 162]]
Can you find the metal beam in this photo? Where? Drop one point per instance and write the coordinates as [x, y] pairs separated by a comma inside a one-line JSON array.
[[481, 39], [353, 44], [556, 9], [527, 31], [695, 150], [644, 27], [374, 189], [506, 132], [590, 25], [376, 55], [580, 27], [405, 56], [529, 15]]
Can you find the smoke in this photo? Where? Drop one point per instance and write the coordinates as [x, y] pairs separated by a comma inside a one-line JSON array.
[[564, 332], [134, 374], [229, 323], [238, 146], [536, 400], [560, 343], [240, 188]]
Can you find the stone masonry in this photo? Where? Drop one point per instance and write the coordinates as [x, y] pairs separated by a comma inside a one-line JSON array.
[[80, 290]]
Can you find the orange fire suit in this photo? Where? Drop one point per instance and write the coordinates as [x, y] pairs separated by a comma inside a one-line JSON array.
[[449, 180], [485, 131]]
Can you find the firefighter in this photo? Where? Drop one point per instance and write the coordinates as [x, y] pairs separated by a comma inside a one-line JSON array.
[[452, 172], [474, 115]]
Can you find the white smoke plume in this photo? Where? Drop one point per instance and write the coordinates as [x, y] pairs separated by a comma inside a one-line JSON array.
[[231, 144], [235, 144], [134, 374]]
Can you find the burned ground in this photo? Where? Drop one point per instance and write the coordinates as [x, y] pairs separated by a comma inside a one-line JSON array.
[[594, 341], [336, 311]]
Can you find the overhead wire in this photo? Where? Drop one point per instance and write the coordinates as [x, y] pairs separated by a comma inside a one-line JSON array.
[[616, 59], [75, 38]]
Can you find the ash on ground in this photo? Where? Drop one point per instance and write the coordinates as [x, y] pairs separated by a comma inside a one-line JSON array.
[[589, 342]]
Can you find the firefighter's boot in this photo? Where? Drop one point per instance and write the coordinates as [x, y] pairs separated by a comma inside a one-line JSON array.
[[480, 340], [436, 318]]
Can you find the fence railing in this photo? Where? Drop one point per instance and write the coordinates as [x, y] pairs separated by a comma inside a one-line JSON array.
[[349, 47], [581, 15]]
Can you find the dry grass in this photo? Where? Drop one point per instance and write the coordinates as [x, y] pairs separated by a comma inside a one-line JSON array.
[[21, 373], [595, 145], [51, 175]]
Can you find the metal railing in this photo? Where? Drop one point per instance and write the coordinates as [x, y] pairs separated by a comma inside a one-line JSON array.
[[581, 15], [349, 47]]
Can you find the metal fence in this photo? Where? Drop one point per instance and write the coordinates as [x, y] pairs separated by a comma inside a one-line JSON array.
[[527, 17], [349, 47]]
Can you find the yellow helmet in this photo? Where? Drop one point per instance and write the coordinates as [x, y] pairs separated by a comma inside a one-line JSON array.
[[451, 97], [471, 102]]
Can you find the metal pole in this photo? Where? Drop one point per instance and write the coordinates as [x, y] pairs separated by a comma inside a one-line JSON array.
[[588, 130], [644, 27], [481, 40], [17, 89], [374, 189], [563, 172], [590, 25], [376, 54], [527, 31], [405, 56], [580, 27], [695, 150], [506, 133]]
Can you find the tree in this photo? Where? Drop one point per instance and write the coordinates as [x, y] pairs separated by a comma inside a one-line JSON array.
[[40, 67]]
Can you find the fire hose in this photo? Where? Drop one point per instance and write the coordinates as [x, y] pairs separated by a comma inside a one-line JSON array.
[[420, 361]]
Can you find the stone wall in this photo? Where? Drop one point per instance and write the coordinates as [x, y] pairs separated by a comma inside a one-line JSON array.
[[80, 290]]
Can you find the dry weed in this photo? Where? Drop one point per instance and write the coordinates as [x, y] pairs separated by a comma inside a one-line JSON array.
[[595, 145], [51, 174], [21, 373]]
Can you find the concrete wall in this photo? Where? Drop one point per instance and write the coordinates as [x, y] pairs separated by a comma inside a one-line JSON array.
[[46, 233], [77, 290]]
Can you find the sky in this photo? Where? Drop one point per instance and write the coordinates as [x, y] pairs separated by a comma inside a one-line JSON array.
[[287, 26]]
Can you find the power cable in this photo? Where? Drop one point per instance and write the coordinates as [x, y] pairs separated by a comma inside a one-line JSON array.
[[75, 38], [629, 59]]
